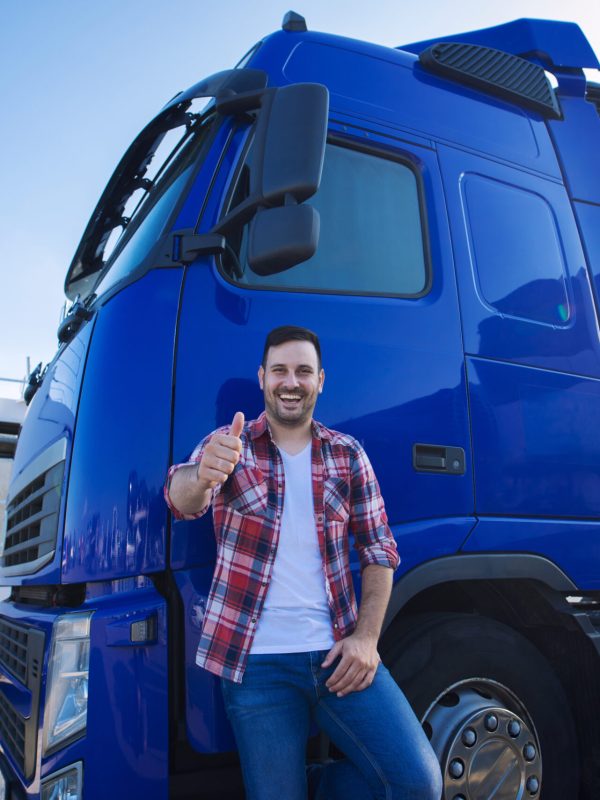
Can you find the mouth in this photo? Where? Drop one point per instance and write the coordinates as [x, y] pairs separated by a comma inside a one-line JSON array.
[[290, 400]]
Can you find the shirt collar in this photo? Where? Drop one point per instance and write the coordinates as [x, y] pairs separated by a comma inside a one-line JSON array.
[[259, 426]]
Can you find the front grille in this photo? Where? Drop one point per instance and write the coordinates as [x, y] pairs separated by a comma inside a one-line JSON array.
[[13, 649], [23, 556], [12, 731], [32, 519], [21, 655]]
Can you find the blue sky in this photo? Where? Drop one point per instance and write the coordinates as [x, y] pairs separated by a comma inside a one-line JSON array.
[[79, 80]]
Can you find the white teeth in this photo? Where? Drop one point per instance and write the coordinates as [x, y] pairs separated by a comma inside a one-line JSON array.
[[289, 397]]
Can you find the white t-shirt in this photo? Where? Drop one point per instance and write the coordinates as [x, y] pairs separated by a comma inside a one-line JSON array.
[[295, 616]]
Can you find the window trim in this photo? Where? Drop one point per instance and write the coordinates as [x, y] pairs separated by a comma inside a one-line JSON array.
[[349, 143]]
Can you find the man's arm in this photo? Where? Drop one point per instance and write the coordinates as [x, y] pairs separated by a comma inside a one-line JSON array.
[[190, 486], [188, 493], [359, 656], [378, 556]]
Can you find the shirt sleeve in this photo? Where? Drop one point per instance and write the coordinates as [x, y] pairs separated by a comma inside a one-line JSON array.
[[195, 458], [373, 538]]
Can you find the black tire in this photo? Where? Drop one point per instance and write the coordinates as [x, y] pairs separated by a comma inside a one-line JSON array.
[[453, 669]]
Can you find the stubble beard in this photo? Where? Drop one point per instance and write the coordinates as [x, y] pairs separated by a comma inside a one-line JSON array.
[[299, 417]]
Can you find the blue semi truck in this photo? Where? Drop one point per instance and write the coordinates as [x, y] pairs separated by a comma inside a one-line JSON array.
[[433, 212]]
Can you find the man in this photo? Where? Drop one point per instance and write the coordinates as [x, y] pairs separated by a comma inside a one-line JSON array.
[[281, 627]]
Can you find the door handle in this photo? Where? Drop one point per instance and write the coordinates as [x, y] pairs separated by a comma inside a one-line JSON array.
[[439, 458]]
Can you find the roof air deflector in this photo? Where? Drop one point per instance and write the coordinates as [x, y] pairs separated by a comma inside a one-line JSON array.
[[552, 43], [495, 72]]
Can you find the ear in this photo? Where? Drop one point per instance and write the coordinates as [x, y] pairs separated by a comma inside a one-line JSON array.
[[321, 380], [261, 376]]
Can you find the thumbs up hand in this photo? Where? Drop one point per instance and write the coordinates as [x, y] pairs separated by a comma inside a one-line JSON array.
[[221, 455], [237, 426]]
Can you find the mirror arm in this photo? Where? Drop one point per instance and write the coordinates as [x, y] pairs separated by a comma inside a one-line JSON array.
[[185, 246], [239, 216]]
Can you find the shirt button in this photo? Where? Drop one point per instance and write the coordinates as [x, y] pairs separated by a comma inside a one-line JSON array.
[[254, 621], [264, 583], [320, 518], [336, 626]]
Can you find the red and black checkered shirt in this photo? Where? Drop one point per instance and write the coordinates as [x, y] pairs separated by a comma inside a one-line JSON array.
[[247, 512]]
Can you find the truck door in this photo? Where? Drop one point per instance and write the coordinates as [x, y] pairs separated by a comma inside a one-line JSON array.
[[533, 356], [381, 294]]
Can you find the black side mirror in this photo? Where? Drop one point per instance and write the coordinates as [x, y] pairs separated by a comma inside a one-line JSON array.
[[290, 143], [280, 238], [289, 149]]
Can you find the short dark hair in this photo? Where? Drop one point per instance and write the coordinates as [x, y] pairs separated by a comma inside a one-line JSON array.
[[291, 333]]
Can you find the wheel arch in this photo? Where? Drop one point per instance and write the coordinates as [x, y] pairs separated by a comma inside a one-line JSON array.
[[476, 567], [526, 592]]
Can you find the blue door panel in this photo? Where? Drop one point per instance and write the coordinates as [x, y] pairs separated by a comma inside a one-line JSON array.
[[536, 440], [534, 352], [116, 517]]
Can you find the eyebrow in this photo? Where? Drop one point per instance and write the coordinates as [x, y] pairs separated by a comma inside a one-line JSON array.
[[300, 366]]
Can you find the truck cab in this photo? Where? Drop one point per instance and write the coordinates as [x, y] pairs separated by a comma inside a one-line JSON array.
[[432, 212]]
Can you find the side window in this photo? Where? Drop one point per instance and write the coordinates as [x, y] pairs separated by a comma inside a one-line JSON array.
[[371, 233], [516, 251]]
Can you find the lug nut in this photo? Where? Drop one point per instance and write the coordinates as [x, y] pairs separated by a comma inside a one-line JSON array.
[[456, 768], [469, 737], [529, 752], [491, 722], [514, 728], [532, 785]]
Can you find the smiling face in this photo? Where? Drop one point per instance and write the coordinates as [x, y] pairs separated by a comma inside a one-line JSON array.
[[291, 381]]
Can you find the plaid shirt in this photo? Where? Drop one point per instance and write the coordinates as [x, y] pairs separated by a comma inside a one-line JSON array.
[[247, 512]]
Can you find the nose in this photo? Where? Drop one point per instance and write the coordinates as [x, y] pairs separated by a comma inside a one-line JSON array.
[[291, 381]]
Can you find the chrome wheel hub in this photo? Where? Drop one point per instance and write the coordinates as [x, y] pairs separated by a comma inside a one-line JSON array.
[[485, 742]]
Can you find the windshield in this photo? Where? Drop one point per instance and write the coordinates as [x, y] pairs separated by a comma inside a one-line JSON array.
[[153, 211], [137, 203]]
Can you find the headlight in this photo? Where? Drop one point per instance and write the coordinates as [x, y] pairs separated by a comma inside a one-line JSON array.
[[67, 689], [63, 785]]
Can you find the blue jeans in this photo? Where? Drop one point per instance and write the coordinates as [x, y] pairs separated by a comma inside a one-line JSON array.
[[387, 753]]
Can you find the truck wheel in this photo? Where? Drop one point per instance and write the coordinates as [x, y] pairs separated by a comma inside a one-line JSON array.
[[491, 705]]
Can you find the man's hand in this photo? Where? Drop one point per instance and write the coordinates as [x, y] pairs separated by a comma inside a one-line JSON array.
[[191, 486], [357, 667], [221, 455]]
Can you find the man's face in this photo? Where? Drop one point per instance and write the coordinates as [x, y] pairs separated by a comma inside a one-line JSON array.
[[291, 381]]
